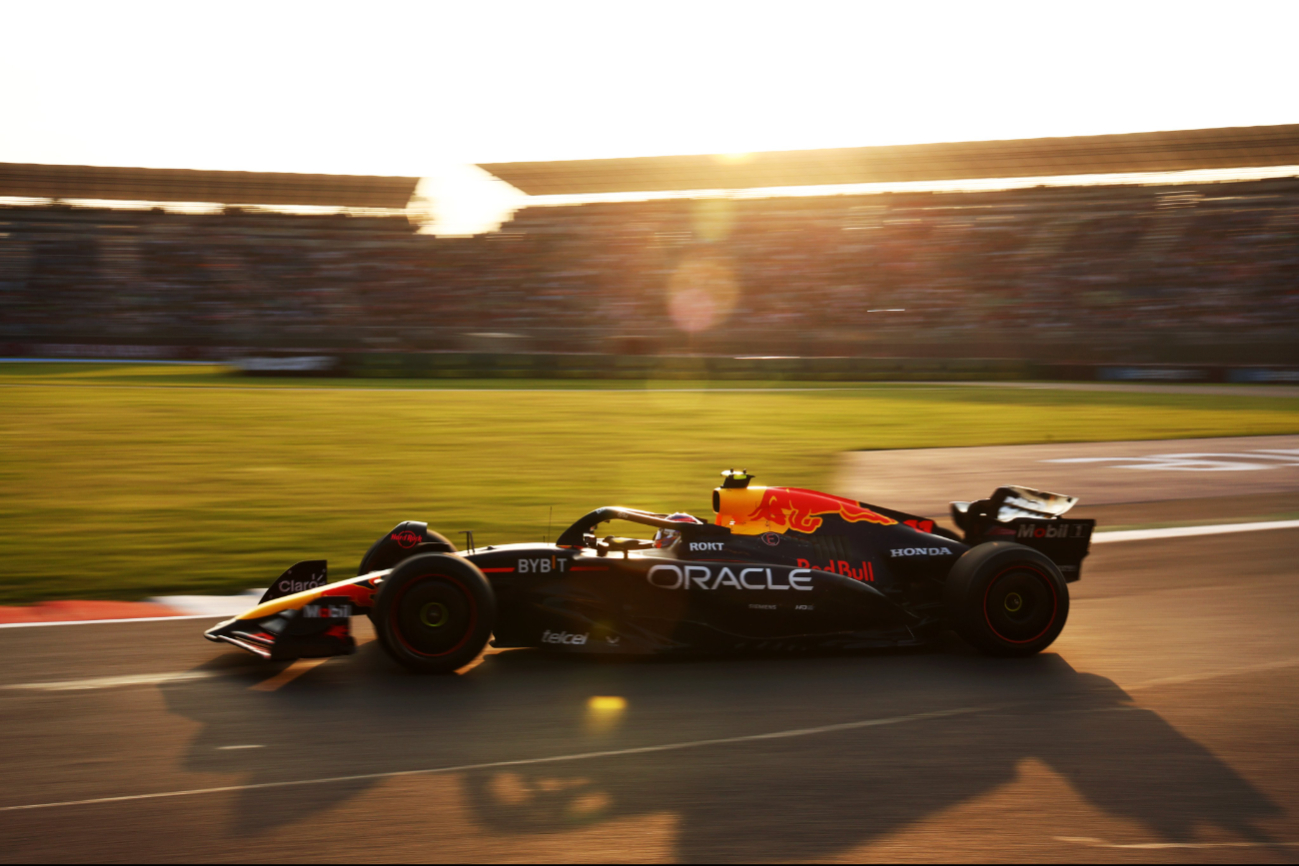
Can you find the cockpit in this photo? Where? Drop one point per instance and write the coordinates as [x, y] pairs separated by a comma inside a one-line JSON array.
[[584, 533]]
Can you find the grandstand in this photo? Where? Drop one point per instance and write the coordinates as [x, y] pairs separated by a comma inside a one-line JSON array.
[[1083, 274]]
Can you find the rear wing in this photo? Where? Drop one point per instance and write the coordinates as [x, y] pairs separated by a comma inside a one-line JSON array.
[[1033, 518]]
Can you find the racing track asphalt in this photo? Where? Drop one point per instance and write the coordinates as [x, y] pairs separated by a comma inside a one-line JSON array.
[[1161, 726]]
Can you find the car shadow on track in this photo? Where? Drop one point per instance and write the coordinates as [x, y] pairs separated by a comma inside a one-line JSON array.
[[792, 798]]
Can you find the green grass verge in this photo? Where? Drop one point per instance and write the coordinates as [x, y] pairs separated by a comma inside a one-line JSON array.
[[113, 491]]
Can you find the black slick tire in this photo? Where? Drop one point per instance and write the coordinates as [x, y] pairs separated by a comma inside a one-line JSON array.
[[434, 613], [1006, 599]]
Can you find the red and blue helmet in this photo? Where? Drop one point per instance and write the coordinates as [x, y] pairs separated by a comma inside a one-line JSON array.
[[667, 537]]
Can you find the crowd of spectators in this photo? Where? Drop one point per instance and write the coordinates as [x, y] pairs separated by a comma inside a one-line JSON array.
[[807, 275]]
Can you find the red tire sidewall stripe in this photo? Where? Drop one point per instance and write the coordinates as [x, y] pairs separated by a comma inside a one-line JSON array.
[[396, 605], [1055, 602]]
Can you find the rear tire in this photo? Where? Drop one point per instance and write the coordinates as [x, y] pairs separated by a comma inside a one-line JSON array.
[[1007, 599], [434, 613]]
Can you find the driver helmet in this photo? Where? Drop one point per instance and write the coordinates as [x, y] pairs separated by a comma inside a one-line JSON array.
[[667, 537]]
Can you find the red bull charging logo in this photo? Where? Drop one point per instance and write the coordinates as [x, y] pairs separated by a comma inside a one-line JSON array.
[[799, 510]]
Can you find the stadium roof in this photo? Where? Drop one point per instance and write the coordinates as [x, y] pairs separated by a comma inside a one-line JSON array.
[[223, 187], [1237, 147]]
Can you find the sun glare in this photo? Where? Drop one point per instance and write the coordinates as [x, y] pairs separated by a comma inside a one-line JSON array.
[[678, 79]]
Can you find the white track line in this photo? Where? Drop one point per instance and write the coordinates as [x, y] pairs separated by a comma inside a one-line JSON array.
[[103, 621], [1213, 675], [1187, 531], [523, 762], [185, 676], [1092, 842], [581, 756], [114, 682], [1097, 538]]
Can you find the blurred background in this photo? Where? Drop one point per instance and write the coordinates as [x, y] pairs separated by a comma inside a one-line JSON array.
[[869, 183], [1133, 273]]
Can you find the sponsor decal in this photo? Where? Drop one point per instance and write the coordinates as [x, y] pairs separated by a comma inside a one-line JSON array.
[[866, 573], [706, 577], [327, 611], [288, 586], [1000, 530], [707, 545], [612, 640], [804, 607], [763, 607], [299, 364], [1157, 374], [922, 525], [1261, 375], [544, 565], [406, 538], [563, 637], [800, 510], [1061, 530], [920, 551], [771, 539]]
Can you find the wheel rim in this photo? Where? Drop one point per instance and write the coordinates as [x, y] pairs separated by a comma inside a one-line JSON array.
[[1020, 604], [433, 615]]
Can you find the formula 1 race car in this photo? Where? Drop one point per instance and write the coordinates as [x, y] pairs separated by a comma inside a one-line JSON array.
[[780, 568]]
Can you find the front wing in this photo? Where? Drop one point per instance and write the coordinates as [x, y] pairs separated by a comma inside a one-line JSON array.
[[312, 623]]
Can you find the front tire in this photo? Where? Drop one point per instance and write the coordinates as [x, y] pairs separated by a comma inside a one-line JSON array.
[[434, 613], [1007, 599]]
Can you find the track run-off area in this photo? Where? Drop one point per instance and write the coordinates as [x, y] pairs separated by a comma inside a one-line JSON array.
[[1160, 726]]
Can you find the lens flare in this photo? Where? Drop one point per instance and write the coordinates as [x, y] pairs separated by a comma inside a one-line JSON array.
[[712, 219], [702, 292]]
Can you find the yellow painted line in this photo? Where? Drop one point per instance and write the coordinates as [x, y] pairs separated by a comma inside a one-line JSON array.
[[288, 675]]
